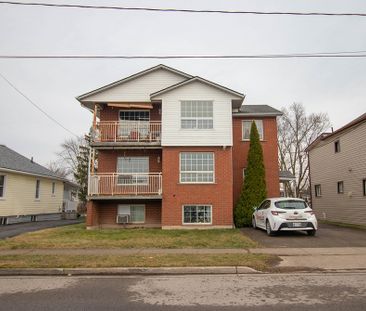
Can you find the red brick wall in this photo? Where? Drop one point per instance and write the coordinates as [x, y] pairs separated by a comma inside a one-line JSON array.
[[270, 155], [107, 159], [219, 194], [103, 213], [112, 113]]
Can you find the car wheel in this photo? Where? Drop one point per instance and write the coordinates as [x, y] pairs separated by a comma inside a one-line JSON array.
[[268, 228], [311, 232], [254, 225]]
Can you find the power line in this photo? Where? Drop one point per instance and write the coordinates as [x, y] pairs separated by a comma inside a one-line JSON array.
[[354, 54], [175, 10], [35, 105]]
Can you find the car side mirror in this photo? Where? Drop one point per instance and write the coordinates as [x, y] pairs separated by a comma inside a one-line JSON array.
[[255, 208]]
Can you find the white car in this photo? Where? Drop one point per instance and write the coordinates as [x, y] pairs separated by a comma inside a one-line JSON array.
[[284, 214]]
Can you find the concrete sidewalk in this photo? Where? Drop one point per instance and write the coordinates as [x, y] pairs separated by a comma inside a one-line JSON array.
[[337, 258], [142, 251]]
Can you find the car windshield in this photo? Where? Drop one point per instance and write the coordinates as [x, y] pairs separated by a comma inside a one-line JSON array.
[[291, 204]]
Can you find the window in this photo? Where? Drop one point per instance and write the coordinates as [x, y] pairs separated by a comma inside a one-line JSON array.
[[53, 188], [340, 187], [136, 212], [266, 204], [246, 126], [197, 214], [196, 114], [318, 191], [337, 146], [135, 123], [244, 172], [38, 184], [291, 204], [196, 167], [364, 186], [134, 115], [132, 170], [2, 186]]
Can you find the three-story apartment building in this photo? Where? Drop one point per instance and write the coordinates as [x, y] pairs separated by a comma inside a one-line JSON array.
[[171, 151]]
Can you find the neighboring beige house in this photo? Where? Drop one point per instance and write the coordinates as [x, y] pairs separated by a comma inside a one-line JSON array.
[[28, 191], [338, 173]]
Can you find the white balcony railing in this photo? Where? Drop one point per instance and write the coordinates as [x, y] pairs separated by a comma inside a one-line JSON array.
[[125, 184], [128, 131]]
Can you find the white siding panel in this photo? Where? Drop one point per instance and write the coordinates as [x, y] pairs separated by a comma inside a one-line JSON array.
[[20, 196], [138, 89], [349, 166], [173, 135]]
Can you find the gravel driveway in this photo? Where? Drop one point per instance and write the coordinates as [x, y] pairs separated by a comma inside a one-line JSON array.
[[326, 236]]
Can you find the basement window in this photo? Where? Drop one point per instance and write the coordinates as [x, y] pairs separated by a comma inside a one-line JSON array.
[[197, 214]]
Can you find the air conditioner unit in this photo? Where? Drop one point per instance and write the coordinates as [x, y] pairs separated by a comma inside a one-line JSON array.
[[123, 219]]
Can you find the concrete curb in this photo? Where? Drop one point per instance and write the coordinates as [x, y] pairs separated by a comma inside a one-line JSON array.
[[128, 271]]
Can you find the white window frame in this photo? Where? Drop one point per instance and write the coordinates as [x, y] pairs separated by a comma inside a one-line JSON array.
[[131, 206], [317, 187], [37, 195], [197, 172], [337, 146], [2, 197], [196, 118], [197, 223], [244, 169], [133, 110], [125, 126], [261, 133], [53, 188], [340, 186], [143, 181]]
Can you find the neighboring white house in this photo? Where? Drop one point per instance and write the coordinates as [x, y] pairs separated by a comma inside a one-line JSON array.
[[70, 199], [338, 173], [28, 191]]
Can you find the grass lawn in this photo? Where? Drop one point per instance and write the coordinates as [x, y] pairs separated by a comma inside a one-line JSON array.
[[256, 261], [76, 236]]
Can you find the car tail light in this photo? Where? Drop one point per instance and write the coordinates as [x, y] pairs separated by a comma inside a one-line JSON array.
[[276, 213], [310, 212]]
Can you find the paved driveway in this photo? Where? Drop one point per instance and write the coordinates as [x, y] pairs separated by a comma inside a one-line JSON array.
[[9, 231], [326, 236]]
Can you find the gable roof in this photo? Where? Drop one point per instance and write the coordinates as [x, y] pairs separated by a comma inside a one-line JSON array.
[[12, 160], [129, 78], [325, 136], [257, 110], [202, 80]]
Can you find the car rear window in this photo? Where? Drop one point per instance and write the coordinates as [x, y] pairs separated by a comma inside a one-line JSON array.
[[291, 204]]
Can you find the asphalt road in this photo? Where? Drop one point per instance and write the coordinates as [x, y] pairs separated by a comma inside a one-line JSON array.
[[326, 236], [9, 231], [275, 292]]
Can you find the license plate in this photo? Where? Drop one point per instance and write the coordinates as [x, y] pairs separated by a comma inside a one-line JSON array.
[[297, 225]]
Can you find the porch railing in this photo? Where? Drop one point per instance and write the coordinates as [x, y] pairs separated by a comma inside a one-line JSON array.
[[125, 184], [128, 131]]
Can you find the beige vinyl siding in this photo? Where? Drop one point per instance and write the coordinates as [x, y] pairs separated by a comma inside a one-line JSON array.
[[139, 89], [349, 165], [19, 198], [219, 135]]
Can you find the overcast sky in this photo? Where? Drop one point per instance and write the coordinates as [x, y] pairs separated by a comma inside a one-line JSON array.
[[335, 86]]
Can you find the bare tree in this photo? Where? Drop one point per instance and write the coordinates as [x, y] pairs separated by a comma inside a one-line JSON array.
[[70, 150], [59, 170], [296, 131]]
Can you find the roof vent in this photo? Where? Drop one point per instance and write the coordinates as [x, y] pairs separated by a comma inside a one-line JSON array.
[[31, 159]]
